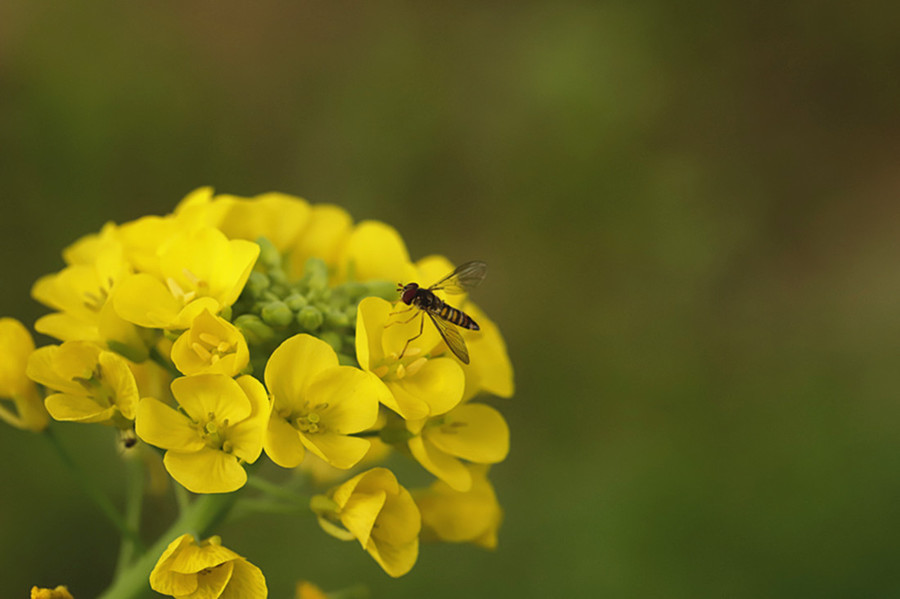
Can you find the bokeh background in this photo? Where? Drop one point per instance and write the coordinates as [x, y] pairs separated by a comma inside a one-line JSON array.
[[691, 216]]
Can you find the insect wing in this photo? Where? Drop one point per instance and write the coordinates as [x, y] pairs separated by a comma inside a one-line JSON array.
[[451, 337], [465, 276]]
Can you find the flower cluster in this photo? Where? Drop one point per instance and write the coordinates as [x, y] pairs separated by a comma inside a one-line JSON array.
[[236, 327]]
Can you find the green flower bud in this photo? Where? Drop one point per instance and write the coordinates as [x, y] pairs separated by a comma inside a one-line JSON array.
[[254, 330], [277, 314], [316, 274], [296, 302], [336, 319], [257, 283], [310, 318], [268, 254]]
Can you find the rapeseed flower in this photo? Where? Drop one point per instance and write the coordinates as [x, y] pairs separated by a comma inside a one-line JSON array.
[[375, 510], [200, 269], [28, 411], [318, 405], [90, 384], [207, 570], [212, 345], [421, 385], [473, 516], [474, 432], [218, 427], [60, 592]]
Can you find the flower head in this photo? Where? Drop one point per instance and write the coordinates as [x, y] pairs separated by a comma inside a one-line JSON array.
[[374, 509], [219, 426], [212, 345], [206, 569], [474, 432], [92, 385], [60, 592], [455, 516], [318, 405], [16, 345], [421, 384]]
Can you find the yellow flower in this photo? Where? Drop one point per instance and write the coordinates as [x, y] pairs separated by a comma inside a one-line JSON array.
[[373, 508], [81, 293], [16, 345], [421, 385], [200, 269], [211, 346], [92, 385], [473, 516], [60, 592], [206, 570], [472, 431], [318, 404], [219, 426]]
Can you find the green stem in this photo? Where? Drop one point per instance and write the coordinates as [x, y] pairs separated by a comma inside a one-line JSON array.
[[157, 357], [261, 484], [133, 502], [100, 500], [198, 519]]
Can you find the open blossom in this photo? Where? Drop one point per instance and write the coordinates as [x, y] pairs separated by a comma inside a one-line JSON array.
[[211, 346], [318, 405], [188, 569], [375, 510], [421, 385], [89, 384], [220, 426], [200, 269], [473, 432], [16, 345]]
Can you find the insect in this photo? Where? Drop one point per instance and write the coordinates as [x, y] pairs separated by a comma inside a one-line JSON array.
[[443, 315]]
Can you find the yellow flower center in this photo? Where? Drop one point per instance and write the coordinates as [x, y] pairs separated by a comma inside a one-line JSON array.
[[309, 421], [95, 300], [213, 433], [210, 348], [394, 369], [199, 287]]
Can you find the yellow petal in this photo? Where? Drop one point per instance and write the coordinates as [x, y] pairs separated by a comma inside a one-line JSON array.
[[338, 450], [160, 425], [77, 408], [441, 464], [117, 376], [371, 316], [146, 301], [352, 398], [247, 582], [282, 443], [206, 471], [278, 217], [474, 432], [438, 384], [164, 580], [395, 560], [16, 345], [211, 583], [375, 251], [293, 366], [327, 230], [359, 514], [205, 394], [247, 435]]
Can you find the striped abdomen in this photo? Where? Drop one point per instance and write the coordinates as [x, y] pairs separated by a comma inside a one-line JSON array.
[[457, 317]]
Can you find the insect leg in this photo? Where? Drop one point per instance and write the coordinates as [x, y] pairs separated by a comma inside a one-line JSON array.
[[402, 312], [416, 336]]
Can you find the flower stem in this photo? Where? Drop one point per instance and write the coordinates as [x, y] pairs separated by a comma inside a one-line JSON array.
[[100, 500], [198, 519], [134, 496], [273, 490]]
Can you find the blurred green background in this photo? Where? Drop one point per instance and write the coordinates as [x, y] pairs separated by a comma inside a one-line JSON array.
[[691, 216]]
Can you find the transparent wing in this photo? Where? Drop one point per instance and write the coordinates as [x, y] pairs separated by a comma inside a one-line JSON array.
[[451, 337], [465, 276]]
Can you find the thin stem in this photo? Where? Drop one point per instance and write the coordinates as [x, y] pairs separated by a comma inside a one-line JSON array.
[[100, 500], [134, 496], [157, 357], [198, 519], [269, 488]]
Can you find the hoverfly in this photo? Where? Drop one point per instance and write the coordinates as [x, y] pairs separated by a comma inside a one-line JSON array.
[[465, 276]]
